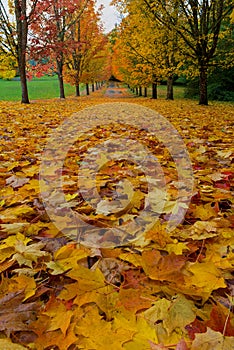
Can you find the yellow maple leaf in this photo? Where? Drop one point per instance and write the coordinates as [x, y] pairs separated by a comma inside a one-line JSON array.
[[66, 258], [142, 331], [205, 212], [26, 255], [27, 284], [104, 335], [205, 277], [88, 279], [60, 317]]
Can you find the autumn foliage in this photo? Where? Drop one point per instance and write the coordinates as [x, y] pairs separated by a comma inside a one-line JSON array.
[[164, 290], [163, 39]]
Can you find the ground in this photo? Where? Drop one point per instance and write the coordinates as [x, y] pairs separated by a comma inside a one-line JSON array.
[[92, 285]]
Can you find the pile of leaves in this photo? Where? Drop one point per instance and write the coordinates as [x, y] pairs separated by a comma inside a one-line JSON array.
[[163, 291]]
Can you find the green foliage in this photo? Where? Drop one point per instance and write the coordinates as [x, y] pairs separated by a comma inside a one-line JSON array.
[[220, 86]]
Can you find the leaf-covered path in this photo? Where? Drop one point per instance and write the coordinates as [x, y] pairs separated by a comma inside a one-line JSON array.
[[115, 90], [162, 290]]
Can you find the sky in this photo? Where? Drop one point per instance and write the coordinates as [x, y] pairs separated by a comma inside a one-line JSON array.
[[110, 15]]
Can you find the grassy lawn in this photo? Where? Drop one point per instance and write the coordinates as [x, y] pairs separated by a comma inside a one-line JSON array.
[[43, 88]]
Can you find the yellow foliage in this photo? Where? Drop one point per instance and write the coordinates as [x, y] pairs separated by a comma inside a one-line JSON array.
[[8, 66]]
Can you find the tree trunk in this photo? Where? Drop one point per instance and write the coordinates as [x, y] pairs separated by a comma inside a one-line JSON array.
[[23, 79], [140, 91], [22, 38], [60, 78], [203, 98], [145, 92], [87, 88], [170, 92], [93, 87], [24, 87], [77, 90], [154, 91], [137, 90]]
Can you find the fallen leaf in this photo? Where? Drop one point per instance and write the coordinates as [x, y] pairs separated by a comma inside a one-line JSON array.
[[16, 182], [6, 344], [212, 340], [163, 268], [14, 314]]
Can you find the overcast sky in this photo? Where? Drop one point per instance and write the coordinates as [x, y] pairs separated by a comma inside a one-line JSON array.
[[110, 15]]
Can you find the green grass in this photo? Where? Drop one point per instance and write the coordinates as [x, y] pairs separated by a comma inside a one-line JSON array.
[[38, 88]]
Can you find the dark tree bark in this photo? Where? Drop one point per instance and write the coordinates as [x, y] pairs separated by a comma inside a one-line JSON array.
[[22, 38], [87, 88], [78, 90], [170, 90], [154, 91], [60, 77], [76, 59], [145, 92], [140, 91], [203, 97]]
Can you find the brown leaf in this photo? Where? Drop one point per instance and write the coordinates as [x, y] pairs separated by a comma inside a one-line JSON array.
[[16, 182], [134, 300], [163, 268], [14, 314], [220, 320]]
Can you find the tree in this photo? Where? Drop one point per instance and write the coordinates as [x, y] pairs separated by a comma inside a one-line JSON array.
[[199, 27], [88, 58], [151, 50], [52, 32], [15, 35]]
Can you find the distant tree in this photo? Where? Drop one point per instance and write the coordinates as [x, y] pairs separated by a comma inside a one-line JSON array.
[[88, 55], [151, 49]]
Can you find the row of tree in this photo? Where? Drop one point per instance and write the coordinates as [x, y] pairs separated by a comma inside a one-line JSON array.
[[161, 39], [61, 36]]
